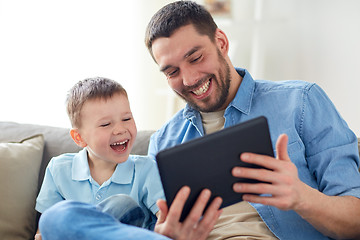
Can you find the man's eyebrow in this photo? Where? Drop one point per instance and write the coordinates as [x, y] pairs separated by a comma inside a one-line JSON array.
[[163, 69], [191, 51], [186, 55]]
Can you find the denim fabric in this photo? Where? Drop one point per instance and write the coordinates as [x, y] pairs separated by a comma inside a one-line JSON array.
[[69, 220], [321, 145], [123, 208]]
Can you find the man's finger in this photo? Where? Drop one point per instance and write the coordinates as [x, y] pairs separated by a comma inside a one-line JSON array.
[[177, 205], [210, 217], [197, 210], [163, 210], [281, 148]]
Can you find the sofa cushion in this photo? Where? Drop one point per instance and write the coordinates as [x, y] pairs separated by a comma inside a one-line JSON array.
[[57, 140], [19, 173]]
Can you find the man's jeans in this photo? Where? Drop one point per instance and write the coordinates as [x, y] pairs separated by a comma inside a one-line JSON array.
[[109, 219]]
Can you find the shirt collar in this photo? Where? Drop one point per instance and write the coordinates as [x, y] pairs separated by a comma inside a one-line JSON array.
[[80, 168], [245, 93], [123, 173], [242, 100]]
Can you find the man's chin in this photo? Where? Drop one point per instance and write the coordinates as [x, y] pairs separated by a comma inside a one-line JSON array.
[[205, 107]]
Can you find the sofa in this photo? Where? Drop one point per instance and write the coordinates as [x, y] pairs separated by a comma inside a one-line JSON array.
[[25, 150]]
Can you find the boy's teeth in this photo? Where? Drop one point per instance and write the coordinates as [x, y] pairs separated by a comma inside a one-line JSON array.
[[119, 146], [119, 143], [202, 89]]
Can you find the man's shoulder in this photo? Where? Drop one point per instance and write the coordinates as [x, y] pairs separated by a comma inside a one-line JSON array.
[[283, 85], [175, 123]]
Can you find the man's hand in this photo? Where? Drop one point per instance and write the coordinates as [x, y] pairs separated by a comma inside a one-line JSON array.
[[283, 185], [193, 227]]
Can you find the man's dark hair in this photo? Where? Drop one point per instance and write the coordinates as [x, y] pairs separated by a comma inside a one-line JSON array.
[[178, 14]]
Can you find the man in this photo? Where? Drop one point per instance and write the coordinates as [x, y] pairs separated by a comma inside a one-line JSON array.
[[314, 183]]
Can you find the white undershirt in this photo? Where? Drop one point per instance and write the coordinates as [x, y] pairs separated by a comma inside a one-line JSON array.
[[239, 221], [212, 121]]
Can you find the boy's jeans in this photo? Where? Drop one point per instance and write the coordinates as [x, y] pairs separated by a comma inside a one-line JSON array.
[[109, 219]]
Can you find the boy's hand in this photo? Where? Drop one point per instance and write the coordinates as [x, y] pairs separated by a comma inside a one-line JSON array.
[[37, 236], [192, 227]]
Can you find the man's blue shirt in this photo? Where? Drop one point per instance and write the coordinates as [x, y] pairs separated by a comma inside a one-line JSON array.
[[67, 177], [321, 145]]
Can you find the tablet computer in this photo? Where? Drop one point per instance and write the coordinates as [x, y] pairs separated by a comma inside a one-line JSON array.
[[206, 162]]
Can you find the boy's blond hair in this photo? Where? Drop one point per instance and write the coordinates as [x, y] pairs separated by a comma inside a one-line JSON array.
[[87, 89]]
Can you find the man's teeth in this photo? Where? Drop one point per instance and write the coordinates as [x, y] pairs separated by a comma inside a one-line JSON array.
[[202, 89]]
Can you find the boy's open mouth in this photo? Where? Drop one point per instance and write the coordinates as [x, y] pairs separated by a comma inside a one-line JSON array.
[[119, 146]]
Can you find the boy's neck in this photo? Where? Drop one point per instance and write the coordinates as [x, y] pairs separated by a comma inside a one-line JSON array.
[[101, 171]]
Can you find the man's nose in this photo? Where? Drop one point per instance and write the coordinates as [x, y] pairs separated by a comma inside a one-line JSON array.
[[190, 77]]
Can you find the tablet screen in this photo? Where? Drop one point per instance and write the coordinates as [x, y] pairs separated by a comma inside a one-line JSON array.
[[206, 162]]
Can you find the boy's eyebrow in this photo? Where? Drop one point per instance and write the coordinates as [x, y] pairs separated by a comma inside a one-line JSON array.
[[186, 55]]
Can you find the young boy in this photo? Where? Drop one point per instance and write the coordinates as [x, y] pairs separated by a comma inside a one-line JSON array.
[[102, 123]]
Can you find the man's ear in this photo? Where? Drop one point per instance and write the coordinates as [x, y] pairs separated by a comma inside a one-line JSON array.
[[75, 135], [222, 42]]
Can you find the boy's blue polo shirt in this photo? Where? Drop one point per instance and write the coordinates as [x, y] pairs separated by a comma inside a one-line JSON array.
[[68, 177], [321, 145]]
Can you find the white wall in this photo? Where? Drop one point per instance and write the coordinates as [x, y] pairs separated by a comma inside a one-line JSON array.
[[312, 40], [47, 46]]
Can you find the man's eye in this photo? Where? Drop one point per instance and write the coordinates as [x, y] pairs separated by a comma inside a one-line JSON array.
[[196, 59], [126, 119], [172, 73]]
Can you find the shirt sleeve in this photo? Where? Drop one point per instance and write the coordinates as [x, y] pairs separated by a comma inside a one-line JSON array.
[[152, 150], [49, 194], [330, 145], [152, 186]]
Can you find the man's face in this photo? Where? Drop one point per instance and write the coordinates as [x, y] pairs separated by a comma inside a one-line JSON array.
[[195, 68], [108, 129]]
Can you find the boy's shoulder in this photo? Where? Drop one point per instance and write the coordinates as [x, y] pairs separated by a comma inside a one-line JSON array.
[[142, 161], [65, 159]]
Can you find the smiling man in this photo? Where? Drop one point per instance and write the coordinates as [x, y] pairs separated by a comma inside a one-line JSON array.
[[199, 74], [314, 183]]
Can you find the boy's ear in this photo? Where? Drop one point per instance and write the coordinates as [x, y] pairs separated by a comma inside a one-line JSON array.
[[75, 135], [222, 41]]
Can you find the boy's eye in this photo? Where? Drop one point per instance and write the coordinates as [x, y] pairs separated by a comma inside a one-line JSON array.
[[105, 125]]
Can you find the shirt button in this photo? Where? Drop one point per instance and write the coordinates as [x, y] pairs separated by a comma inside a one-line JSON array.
[[98, 197]]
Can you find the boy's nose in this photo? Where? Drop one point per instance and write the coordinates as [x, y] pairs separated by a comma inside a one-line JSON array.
[[119, 130]]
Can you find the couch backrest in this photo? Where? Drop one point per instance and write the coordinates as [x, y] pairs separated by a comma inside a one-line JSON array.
[[57, 140]]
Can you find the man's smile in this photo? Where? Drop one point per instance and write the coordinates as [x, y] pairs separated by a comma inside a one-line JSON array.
[[202, 89]]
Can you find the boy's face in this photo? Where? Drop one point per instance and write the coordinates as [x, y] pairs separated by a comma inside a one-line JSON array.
[[108, 129], [195, 67]]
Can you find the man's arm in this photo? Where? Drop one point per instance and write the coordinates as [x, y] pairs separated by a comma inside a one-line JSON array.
[[193, 227], [334, 216]]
